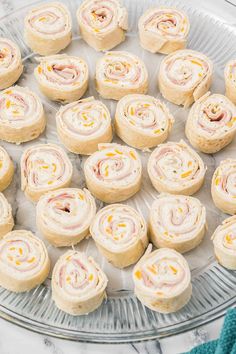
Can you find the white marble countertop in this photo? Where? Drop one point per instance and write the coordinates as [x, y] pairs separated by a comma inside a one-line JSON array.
[[15, 340]]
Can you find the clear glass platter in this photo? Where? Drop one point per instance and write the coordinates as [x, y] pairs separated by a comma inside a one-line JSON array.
[[122, 317]]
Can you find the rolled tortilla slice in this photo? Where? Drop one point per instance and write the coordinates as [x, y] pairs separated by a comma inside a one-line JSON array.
[[120, 73], [176, 168], [64, 216], [82, 125], [44, 167], [24, 261], [223, 186], [177, 222], [6, 169], [78, 284], [22, 115], [230, 80], [11, 66], [113, 173], [6, 218], [102, 23], [142, 121], [162, 280], [120, 234], [163, 30], [48, 28], [62, 77], [211, 123], [185, 76], [224, 241]]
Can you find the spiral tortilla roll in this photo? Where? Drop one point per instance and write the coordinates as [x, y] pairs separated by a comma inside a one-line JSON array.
[[177, 222], [64, 216], [211, 123], [24, 261], [162, 280], [48, 28], [120, 234], [102, 23], [62, 77], [163, 30], [78, 284], [113, 173], [176, 168], [142, 121], [230, 80], [185, 76], [11, 66], [22, 116], [6, 218], [82, 125], [44, 167], [224, 241], [223, 186], [119, 74], [6, 169]]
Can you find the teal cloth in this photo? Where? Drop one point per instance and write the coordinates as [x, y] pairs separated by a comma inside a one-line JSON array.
[[226, 344]]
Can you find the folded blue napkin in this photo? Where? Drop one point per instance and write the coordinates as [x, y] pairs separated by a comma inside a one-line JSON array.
[[226, 344]]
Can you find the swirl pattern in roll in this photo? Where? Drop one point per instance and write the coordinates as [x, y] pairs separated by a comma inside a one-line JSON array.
[[78, 283], [163, 30], [224, 241], [223, 186], [62, 77], [82, 125], [230, 80], [11, 66], [176, 168], [24, 261], [64, 216], [6, 218], [211, 124], [120, 73], [162, 280], [22, 116], [6, 169], [44, 167], [48, 28], [185, 76], [113, 173], [102, 23], [120, 233], [177, 222], [142, 121]]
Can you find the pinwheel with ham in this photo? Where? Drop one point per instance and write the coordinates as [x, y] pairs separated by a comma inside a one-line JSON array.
[[162, 280], [223, 186], [44, 167], [24, 261], [119, 74], [113, 173], [64, 216], [78, 283], [163, 30], [84, 124], [185, 76], [102, 23], [120, 233], [11, 66], [62, 77], [48, 28], [22, 116]]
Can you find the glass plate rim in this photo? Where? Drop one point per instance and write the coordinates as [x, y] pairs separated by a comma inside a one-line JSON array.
[[84, 336]]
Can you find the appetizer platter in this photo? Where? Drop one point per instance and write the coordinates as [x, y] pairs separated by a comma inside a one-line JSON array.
[[117, 168]]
